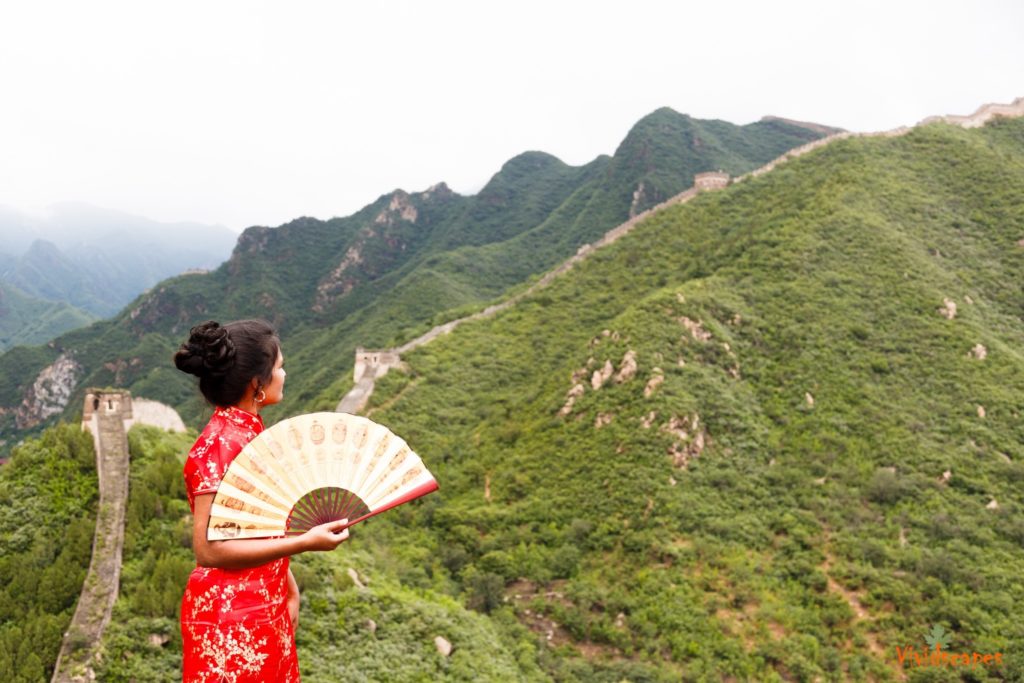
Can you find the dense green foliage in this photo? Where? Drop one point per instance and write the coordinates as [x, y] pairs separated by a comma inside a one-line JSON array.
[[48, 499], [794, 322], [400, 265]]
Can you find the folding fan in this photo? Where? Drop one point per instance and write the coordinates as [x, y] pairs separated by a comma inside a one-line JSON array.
[[312, 469]]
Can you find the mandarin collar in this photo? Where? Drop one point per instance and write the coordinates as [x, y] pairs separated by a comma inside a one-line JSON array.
[[242, 418]]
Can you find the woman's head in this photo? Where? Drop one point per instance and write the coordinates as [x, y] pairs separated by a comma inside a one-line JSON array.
[[234, 362]]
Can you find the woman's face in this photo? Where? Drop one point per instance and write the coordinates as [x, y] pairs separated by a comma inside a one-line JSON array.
[[275, 390]]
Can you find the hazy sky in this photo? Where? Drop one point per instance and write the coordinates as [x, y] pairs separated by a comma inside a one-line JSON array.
[[246, 112]]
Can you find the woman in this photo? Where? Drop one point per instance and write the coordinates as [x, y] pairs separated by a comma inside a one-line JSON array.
[[241, 604]]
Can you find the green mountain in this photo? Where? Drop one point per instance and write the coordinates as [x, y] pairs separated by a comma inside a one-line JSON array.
[[771, 434], [26, 319], [390, 270], [759, 438]]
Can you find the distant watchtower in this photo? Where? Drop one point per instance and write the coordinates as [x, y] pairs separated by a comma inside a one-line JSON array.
[[712, 180], [102, 403], [373, 364]]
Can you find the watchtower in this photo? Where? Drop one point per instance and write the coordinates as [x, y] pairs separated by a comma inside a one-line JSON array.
[[372, 363], [712, 180], [107, 402]]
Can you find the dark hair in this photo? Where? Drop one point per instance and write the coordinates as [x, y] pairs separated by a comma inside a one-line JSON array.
[[226, 358]]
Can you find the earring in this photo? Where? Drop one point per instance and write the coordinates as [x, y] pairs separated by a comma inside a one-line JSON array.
[[260, 397]]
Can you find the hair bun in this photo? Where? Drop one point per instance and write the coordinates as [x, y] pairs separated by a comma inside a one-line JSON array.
[[208, 352]]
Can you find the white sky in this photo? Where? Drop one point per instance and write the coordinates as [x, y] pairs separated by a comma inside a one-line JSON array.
[[244, 112]]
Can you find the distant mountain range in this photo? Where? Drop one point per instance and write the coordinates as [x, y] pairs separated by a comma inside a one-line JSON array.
[[396, 266], [80, 262]]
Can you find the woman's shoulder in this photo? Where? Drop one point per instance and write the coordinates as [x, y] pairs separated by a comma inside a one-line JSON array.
[[228, 426], [223, 437]]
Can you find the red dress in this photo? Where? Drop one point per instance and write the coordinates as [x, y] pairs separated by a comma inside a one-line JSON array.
[[235, 626]]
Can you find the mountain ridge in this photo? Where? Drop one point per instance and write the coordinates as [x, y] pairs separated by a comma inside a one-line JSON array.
[[393, 266]]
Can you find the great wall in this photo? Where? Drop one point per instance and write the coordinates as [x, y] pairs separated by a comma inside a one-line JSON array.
[[372, 365], [108, 414]]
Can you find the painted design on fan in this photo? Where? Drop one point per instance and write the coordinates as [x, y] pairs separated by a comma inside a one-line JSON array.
[[338, 432], [294, 438], [316, 433], [228, 529]]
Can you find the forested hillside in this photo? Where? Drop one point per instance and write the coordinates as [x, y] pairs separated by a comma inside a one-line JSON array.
[[48, 499], [385, 273], [771, 434]]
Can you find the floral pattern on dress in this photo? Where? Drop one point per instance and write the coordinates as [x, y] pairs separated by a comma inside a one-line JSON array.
[[235, 625]]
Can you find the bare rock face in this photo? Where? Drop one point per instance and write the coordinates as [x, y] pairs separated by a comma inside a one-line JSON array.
[[443, 646], [339, 282], [690, 438], [148, 412], [399, 208], [49, 394], [652, 384], [627, 369], [948, 309], [601, 376], [354, 575], [570, 398], [695, 328]]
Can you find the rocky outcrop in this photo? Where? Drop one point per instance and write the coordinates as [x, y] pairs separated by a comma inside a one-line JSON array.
[[49, 393], [155, 414], [340, 281], [399, 208]]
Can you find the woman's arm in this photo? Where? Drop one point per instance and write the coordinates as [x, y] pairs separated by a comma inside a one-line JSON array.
[[252, 552]]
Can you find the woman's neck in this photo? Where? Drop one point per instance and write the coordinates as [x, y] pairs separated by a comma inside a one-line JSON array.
[[252, 408]]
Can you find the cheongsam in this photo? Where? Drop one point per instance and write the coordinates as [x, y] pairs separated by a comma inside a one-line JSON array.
[[235, 626]]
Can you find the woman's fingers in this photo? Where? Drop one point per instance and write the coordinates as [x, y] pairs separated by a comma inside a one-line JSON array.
[[340, 524], [329, 535]]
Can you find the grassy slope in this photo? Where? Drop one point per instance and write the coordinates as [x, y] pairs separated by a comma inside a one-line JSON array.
[[823, 278]]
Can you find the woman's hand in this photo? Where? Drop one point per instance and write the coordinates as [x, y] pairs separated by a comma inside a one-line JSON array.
[[252, 552], [326, 536]]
